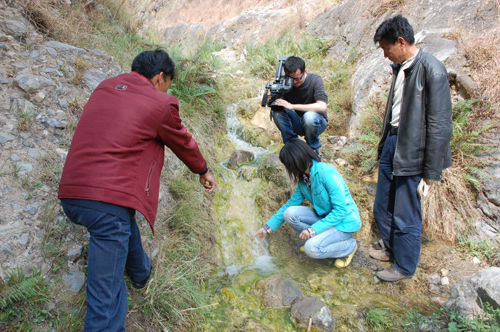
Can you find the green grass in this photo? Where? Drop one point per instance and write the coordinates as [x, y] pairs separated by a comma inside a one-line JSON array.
[[445, 320], [379, 319], [482, 249]]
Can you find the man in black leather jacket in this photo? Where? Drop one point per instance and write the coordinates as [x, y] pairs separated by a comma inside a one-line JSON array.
[[414, 148]]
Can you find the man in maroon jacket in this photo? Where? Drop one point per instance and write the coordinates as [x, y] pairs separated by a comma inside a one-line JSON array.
[[113, 169]]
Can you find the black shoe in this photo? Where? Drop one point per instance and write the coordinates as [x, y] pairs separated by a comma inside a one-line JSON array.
[[141, 284], [318, 152]]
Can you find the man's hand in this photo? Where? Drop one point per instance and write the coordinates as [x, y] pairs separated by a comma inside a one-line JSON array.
[[207, 181], [283, 103], [260, 234], [423, 187]]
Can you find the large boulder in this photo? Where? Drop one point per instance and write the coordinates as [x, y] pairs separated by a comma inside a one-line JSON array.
[[484, 287]]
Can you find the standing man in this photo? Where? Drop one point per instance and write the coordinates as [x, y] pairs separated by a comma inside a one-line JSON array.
[[113, 169], [304, 106], [414, 148]]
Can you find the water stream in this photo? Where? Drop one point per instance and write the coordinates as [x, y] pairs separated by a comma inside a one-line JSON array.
[[244, 261]]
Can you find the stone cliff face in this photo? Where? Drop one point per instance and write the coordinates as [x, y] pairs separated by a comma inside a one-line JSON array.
[[43, 85]]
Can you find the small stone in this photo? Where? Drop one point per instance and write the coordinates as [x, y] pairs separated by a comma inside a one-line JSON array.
[[445, 281], [31, 209], [444, 272], [433, 278], [439, 301], [476, 261], [4, 138], [74, 252], [340, 162], [434, 289], [155, 252], [74, 280]]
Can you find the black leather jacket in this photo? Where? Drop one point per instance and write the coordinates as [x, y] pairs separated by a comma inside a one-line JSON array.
[[425, 125]]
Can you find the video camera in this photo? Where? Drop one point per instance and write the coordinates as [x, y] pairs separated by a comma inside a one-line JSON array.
[[277, 89]]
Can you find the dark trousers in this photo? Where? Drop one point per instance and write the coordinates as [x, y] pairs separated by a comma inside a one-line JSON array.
[[398, 212], [291, 125], [115, 246]]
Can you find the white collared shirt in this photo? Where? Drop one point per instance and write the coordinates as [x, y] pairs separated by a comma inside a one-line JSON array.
[[398, 91]]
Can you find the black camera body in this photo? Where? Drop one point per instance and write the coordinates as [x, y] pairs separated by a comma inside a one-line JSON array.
[[282, 83]]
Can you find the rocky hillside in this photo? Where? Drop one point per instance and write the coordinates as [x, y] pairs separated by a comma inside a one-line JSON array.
[[463, 34], [43, 85]]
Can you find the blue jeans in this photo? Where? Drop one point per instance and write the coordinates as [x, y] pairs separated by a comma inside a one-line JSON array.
[[114, 246], [291, 125], [331, 243], [397, 211]]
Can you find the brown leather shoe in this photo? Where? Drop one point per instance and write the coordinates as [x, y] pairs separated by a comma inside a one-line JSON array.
[[391, 275], [381, 255]]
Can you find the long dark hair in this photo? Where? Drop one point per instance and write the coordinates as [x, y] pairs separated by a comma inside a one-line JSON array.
[[297, 156]]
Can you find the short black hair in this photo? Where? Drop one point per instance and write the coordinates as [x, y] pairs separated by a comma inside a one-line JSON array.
[[393, 28], [297, 156], [150, 63], [292, 63]]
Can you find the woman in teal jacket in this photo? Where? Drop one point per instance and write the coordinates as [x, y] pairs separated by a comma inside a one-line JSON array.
[[328, 227]]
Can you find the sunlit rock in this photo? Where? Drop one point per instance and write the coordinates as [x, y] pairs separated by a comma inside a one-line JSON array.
[[239, 157]]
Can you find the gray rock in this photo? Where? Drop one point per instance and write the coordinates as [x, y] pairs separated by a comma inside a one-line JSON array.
[[492, 183], [278, 292], [311, 308], [15, 28], [466, 86], [65, 48], [31, 209], [483, 287], [74, 280], [74, 252], [22, 106], [24, 239], [434, 278], [239, 157], [93, 77], [24, 168], [32, 83], [4, 137]]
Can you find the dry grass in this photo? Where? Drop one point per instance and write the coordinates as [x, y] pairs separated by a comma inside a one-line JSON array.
[[482, 52], [447, 206], [386, 5]]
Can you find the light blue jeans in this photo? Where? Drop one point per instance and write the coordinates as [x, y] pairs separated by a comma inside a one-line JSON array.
[[331, 243]]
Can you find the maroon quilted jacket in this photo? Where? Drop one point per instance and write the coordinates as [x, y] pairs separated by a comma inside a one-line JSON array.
[[117, 151]]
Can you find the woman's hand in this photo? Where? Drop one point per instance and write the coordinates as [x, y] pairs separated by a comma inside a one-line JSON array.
[[260, 234], [306, 234]]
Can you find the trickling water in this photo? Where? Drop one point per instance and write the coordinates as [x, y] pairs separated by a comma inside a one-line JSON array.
[[244, 261], [240, 219]]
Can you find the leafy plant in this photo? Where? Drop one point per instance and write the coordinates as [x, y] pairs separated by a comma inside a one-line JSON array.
[[21, 297], [482, 249]]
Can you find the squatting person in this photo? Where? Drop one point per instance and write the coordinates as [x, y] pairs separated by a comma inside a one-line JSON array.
[[329, 225], [414, 148], [304, 106], [113, 169]]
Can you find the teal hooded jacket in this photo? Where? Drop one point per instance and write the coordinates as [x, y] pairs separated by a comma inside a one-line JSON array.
[[331, 200]]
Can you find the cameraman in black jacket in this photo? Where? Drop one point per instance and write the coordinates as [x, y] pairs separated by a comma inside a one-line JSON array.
[[414, 148], [303, 109]]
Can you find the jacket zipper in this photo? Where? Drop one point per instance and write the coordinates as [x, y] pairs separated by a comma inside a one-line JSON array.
[[148, 182]]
